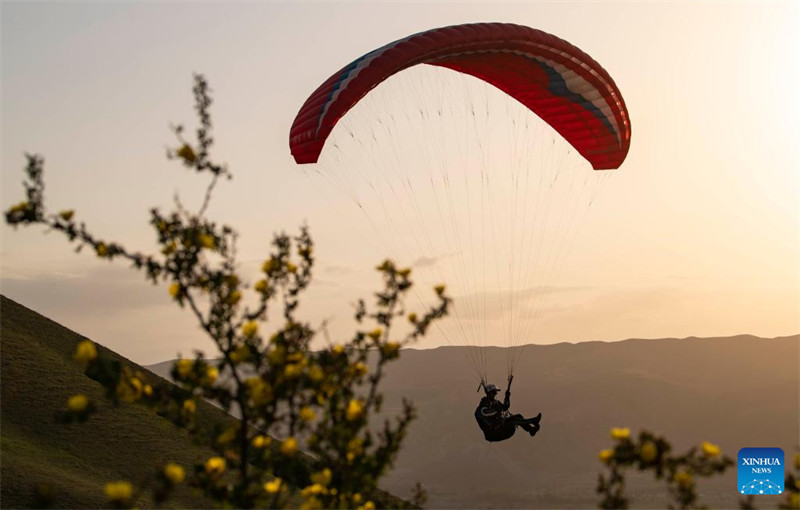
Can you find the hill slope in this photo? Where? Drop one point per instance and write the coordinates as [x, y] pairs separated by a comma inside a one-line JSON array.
[[37, 376]]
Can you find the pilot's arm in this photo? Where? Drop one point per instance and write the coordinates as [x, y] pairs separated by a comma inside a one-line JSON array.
[[507, 400]]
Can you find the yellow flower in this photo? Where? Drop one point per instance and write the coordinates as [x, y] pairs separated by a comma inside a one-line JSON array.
[[385, 265], [313, 490], [648, 452], [207, 241], [261, 286], [375, 334], [184, 367], [710, 449], [291, 267], [261, 441], [260, 390], [227, 436], [187, 154], [683, 479], [404, 272], [355, 446], [215, 466], [289, 447], [78, 403], [85, 351], [101, 249], [129, 390], [306, 251], [249, 329], [119, 491], [412, 317], [360, 368], [315, 373], [67, 215], [620, 433], [161, 225], [136, 384], [390, 349], [174, 473], [606, 455], [19, 207], [323, 477], [356, 498], [234, 297], [240, 354], [276, 355], [794, 500], [355, 409], [169, 248], [269, 265], [307, 414], [147, 390], [369, 505], [293, 370], [274, 486], [212, 374], [297, 357], [175, 289], [311, 503], [189, 406], [439, 289]]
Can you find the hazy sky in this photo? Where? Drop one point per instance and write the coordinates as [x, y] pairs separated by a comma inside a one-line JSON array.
[[697, 234]]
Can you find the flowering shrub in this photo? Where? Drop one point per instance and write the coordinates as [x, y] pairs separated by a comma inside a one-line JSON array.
[[651, 453], [320, 401]]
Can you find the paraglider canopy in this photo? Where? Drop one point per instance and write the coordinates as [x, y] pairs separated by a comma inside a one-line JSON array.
[[479, 178], [554, 79]]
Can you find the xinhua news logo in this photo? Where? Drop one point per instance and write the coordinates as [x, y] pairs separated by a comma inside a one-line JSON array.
[[760, 471]]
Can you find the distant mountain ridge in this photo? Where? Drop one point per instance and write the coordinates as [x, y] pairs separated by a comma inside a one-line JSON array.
[[735, 391]]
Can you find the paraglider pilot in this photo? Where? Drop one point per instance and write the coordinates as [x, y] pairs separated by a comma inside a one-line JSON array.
[[494, 419]]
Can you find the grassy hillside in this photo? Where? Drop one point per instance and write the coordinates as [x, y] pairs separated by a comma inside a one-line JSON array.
[[73, 462], [128, 442]]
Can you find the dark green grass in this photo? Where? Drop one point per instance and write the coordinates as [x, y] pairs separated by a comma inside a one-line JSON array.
[[74, 461]]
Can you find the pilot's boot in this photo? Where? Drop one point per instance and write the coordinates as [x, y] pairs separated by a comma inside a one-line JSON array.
[[531, 429]]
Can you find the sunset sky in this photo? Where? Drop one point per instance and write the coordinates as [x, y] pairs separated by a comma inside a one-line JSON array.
[[697, 234]]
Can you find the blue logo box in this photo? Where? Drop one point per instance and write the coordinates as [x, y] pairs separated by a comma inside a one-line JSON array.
[[760, 471]]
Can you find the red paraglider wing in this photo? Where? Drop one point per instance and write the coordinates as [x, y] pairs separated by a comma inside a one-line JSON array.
[[560, 83]]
